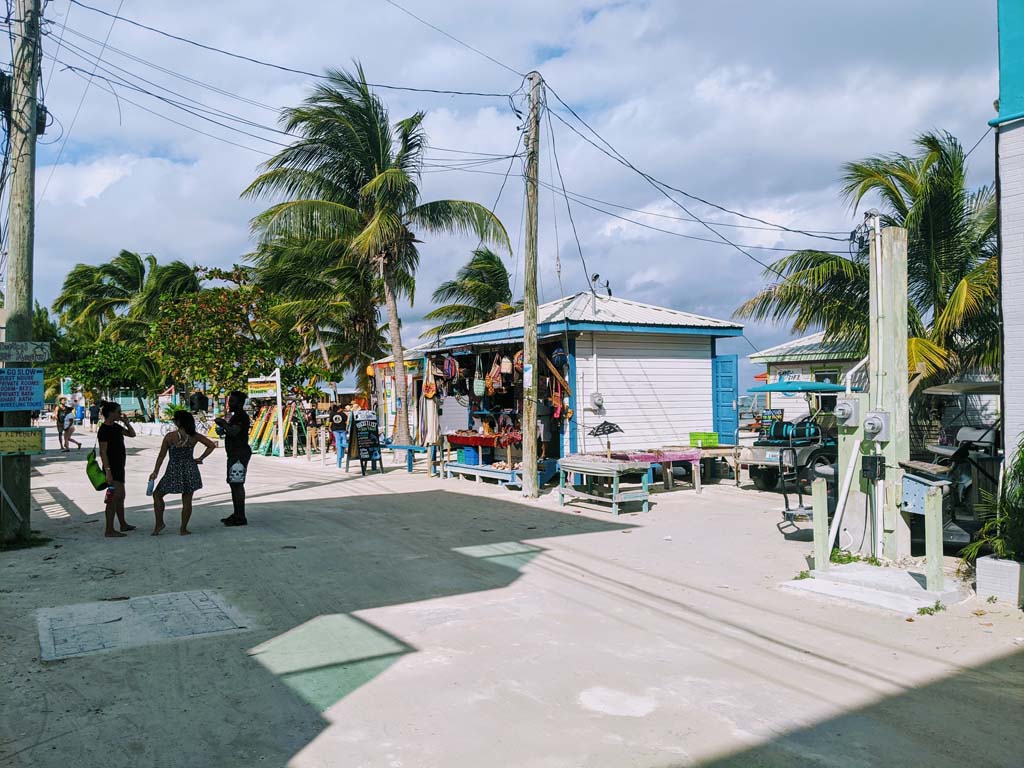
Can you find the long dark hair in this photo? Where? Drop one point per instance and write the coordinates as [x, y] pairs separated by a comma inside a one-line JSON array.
[[109, 407], [186, 422]]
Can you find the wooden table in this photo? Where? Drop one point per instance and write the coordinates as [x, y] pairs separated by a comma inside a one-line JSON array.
[[591, 467], [666, 457], [728, 452]]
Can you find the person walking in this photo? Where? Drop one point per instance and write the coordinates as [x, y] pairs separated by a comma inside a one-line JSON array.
[[58, 418], [113, 456], [94, 416], [234, 428], [339, 428], [182, 475], [69, 430]]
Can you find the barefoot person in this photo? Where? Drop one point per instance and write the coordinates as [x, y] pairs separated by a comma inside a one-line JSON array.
[[58, 419], [182, 475], [113, 457], [69, 430], [234, 428]]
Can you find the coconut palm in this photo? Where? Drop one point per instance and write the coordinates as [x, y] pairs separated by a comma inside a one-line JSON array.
[[117, 299], [479, 292], [352, 180], [952, 262]]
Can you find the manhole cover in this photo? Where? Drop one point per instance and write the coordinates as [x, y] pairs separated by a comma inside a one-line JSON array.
[[78, 630]]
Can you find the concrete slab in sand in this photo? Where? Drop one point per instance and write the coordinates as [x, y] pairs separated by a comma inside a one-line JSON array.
[[78, 630]]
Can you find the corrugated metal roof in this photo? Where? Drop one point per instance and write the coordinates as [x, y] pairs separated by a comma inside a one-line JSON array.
[[587, 308], [411, 353], [813, 347]]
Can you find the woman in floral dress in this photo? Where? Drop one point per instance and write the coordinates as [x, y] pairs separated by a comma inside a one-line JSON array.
[[182, 475]]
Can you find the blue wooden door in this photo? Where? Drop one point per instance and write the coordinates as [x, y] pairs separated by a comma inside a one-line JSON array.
[[725, 384]]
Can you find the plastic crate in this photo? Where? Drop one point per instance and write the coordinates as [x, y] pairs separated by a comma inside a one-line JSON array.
[[704, 439], [461, 455]]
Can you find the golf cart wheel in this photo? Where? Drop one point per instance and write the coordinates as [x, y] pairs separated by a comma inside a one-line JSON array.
[[765, 478], [815, 461]]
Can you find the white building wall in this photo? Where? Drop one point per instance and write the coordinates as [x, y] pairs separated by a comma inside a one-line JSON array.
[[657, 387], [1011, 224]]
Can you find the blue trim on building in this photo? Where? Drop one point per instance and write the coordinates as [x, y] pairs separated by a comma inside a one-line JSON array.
[[1011, 61], [554, 329], [573, 401]]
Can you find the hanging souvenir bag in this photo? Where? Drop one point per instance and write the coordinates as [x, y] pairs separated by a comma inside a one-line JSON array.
[[479, 385], [429, 387], [556, 401], [451, 368], [559, 358], [506, 364], [494, 377]]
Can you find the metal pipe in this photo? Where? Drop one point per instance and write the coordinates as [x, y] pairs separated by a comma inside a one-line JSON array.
[[844, 492]]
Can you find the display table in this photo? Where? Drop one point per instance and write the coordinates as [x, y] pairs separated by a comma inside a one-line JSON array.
[[473, 440], [730, 453], [666, 457], [601, 468]]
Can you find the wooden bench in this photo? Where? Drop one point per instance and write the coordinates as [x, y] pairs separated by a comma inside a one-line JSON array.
[[590, 467], [480, 471]]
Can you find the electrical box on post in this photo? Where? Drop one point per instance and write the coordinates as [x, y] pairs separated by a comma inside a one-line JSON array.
[[877, 426], [847, 411], [872, 467]]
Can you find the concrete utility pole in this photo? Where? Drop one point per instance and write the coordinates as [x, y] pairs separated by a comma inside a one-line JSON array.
[[890, 379], [21, 230], [530, 369]]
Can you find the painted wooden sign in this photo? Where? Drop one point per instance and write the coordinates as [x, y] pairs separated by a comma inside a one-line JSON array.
[[364, 437], [24, 351], [21, 441], [262, 388], [21, 389]]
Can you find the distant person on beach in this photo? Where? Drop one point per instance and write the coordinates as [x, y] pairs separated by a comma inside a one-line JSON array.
[[113, 457], [58, 419], [234, 428], [94, 415], [69, 430], [339, 428], [182, 475]]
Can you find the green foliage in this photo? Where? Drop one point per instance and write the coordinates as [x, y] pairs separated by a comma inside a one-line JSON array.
[[803, 575], [845, 557], [1002, 532], [105, 367], [479, 292], [931, 610], [953, 312], [991, 599], [215, 336], [171, 409]]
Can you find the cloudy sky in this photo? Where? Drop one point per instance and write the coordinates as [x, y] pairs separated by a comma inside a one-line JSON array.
[[751, 105]]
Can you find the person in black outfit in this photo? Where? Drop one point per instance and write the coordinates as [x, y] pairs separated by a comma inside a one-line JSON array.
[[235, 430], [94, 416], [114, 457], [198, 402]]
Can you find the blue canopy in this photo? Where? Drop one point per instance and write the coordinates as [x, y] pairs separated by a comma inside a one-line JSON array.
[[814, 387]]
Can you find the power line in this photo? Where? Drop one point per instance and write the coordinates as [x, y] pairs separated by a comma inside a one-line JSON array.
[[621, 159], [568, 207], [81, 101], [978, 142], [452, 37], [281, 67]]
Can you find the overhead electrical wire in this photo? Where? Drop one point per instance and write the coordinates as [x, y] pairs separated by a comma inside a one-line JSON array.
[[283, 68], [568, 207], [81, 101]]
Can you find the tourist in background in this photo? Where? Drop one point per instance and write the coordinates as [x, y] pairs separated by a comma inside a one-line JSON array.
[[58, 419], [182, 475], [94, 416], [234, 428]]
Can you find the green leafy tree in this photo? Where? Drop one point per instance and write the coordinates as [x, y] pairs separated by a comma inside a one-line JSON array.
[[104, 368], [479, 292], [952, 257], [352, 179], [219, 336], [117, 300]]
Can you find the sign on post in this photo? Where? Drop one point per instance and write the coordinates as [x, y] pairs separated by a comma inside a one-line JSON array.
[[21, 441], [24, 351], [21, 389], [364, 439], [262, 388]]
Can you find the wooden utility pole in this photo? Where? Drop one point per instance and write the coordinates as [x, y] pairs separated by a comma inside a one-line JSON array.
[[530, 369], [21, 231]]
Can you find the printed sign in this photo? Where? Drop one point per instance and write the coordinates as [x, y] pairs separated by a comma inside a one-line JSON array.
[[20, 441], [262, 388], [24, 351], [21, 389], [363, 436], [772, 414]]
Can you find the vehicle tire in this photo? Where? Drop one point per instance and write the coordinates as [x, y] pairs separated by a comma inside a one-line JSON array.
[[765, 478], [818, 460]]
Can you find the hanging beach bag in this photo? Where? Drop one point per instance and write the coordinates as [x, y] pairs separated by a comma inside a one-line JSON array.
[[506, 365], [479, 385], [429, 387], [559, 358], [556, 401], [518, 361], [97, 476], [451, 368], [494, 381]]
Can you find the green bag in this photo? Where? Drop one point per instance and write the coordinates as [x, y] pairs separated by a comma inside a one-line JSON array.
[[97, 476]]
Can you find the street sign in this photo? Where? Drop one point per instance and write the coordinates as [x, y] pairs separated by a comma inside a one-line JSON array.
[[20, 441], [21, 389], [24, 351], [262, 388]]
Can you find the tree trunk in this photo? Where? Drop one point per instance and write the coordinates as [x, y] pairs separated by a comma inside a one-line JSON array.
[[401, 435], [142, 404]]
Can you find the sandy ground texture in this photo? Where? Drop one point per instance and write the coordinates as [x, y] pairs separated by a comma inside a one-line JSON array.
[[398, 620]]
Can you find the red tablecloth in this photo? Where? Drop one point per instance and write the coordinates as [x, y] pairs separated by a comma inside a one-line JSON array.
[[499, 440]]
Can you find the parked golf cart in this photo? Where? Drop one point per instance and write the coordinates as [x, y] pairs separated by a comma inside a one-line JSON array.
[[791, 451]]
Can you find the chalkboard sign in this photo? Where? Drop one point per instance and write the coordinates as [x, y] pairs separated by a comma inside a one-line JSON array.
[[772, 414], [363, 436]]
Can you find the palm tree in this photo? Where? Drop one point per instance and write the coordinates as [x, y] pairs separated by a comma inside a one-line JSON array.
[[479, 292], [119, 298], [952, 263], [352, 180]]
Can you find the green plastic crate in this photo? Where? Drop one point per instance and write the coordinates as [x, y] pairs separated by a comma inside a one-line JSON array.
[[461, 455], [704, 439]]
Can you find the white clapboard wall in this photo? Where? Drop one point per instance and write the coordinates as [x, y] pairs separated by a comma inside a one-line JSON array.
[[657, 387]]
